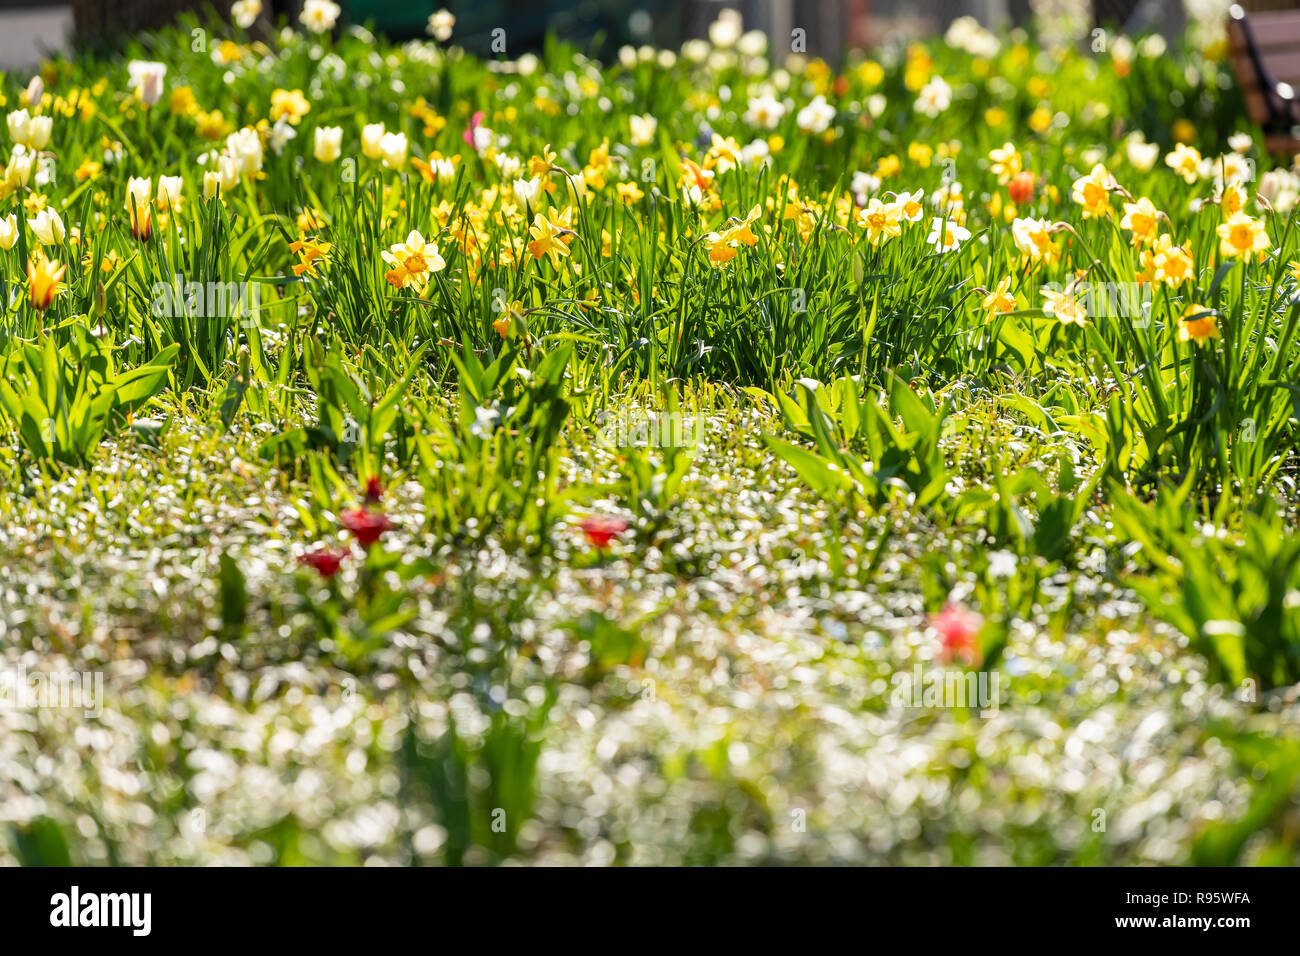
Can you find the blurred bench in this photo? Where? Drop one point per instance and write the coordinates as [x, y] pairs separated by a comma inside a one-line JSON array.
[[1265, 53]]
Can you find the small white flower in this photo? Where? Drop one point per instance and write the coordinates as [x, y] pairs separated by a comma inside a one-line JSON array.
[[211, 183], [35, 90], [752, 43], [20, 126]]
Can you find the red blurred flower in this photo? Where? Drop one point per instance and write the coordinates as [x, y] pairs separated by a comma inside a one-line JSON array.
[[1021, 187], [958, 631], [374, 490], [325, 561], [475, 122], [602, 529], [366, 525]]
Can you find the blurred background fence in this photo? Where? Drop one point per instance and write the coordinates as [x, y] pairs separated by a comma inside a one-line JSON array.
[[830, 26]]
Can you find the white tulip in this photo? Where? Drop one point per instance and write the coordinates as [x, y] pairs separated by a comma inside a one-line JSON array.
[[48, 227], [329, 143], [147, 80]]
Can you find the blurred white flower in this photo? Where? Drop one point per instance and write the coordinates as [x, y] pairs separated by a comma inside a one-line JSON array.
[[752, 43], [371, 134], [393, 148], [756, 153], [863, 185], [169, 192], [319, 16], [281, 133], [1002, 564], [527, 191], [765, 111], [146, 78], [246, 12], [725, 31], [508, 166], [643, 129], [245, 149], [34, 92], [934, 97], [329, 143], [1141, 155], [440, 25], [816, 117]]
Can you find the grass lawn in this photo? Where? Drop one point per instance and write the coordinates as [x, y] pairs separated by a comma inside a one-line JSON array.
[[715, 456]]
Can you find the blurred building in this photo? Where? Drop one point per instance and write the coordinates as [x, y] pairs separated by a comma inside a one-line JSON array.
[[31, 27]]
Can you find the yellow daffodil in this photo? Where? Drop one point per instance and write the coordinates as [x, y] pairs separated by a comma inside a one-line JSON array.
[[1065, 306], [1172, 264], [629, 192], [1005, 163], [1232, 200], [881, 220], [1092, 192], [308, 251], [1186, 162], [290, 105], [723, 245], [1243, 237], [998, 301], [1197, 325], [551, 236], [1033, 237], [412, 260], [1141, 218]]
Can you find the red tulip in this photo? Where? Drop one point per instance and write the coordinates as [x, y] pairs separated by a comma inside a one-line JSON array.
[[602, 529], [325, 561], [958, 633], [1021, 187], [374, 490], [366, 525]]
